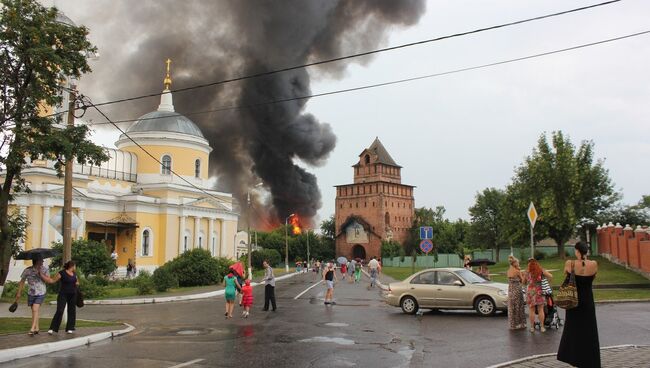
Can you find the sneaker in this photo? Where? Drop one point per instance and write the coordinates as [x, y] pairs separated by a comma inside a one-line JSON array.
[[51, 332], [542, 329], [70, 332]]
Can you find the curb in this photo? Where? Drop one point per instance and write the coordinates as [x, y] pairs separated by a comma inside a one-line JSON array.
[[533, 357], [168, 299], [7, 355], [379, 283]]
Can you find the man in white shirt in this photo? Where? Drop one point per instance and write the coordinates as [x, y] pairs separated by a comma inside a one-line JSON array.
[[374, 267]]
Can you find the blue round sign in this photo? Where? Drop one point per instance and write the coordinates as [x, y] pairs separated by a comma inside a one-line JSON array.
[[426, 245]]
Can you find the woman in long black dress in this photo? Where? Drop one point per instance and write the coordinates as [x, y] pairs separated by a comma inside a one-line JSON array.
[[579, 345]]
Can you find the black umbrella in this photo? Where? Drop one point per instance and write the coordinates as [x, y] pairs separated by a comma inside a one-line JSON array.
[[37, 253], [480, 262]]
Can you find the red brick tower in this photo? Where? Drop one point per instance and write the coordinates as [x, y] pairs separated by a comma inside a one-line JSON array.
[[376, 207]]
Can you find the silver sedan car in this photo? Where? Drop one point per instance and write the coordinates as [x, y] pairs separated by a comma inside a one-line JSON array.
[[448, 288]]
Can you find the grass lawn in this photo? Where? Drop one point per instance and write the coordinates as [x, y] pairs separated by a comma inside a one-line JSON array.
[[20, 325], [614, 294]]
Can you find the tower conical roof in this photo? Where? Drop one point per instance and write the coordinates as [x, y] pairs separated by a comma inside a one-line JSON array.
[[383, 156]]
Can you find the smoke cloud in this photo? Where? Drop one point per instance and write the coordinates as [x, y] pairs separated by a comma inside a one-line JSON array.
[[209, 41]]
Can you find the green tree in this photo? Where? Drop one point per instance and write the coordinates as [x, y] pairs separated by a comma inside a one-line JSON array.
[[487, 218], [566, 184], [36, 54], [447, 236], [636, 214], [91, 257]]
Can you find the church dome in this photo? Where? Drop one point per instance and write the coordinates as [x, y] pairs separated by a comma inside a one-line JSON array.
[[165, 121]]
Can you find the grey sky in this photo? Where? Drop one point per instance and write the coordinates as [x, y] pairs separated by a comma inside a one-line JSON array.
[[457, 134]]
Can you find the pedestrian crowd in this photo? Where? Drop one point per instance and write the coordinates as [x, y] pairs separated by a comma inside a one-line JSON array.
[[579, 345]]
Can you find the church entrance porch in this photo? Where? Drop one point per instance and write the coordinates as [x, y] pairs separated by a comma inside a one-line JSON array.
[[358, 251]]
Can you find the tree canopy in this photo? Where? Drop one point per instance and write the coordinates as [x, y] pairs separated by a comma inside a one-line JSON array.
[[38, 55]]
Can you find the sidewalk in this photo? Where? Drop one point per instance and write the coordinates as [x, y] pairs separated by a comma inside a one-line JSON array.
[[22, 339], [625, 356]]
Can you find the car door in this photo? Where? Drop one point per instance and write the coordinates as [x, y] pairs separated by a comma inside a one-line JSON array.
[[451, 292], [423, 287]]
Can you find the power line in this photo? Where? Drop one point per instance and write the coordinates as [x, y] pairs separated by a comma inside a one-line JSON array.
[[361, 54], [399, 81]]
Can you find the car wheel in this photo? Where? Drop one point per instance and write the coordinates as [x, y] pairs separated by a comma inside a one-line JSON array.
[[485, 306], [409, 305]]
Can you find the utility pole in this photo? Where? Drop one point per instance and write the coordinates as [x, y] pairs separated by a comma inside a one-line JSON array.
[[67, 185], [250, 249], [308, 258], [286, 242]]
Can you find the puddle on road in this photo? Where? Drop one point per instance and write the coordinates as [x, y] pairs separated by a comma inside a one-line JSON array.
[[190, 332], [336, 324], [407, 353], [334, 340]]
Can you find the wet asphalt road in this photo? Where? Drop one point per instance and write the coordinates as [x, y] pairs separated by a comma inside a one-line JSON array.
[[360, 331]]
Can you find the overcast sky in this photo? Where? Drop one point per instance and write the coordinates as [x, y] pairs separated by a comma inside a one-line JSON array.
[[458, 134]]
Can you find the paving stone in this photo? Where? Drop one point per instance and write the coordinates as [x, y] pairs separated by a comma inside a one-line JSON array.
[[620, 357]]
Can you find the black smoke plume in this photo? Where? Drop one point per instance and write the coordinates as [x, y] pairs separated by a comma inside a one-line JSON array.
[[213, 40]]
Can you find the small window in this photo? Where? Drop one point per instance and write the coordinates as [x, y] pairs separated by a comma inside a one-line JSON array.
[[185, 240], [200, 242], [367, 158], [146, 243], [166, 168], [197, 168]]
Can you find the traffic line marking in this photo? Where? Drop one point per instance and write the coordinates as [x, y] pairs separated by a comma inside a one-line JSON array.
[[187, 363], [306, 290]]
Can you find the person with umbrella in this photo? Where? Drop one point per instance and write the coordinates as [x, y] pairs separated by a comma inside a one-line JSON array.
[[36, 287], [67, 296], [483, 264]]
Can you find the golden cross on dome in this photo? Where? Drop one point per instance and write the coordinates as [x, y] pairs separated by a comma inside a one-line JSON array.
[[168, 79]]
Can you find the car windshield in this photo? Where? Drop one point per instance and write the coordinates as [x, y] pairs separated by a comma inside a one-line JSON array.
[[471, 277]]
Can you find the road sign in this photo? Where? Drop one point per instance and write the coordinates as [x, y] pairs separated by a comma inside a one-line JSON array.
[[426, 245], [426, 232], [532, 214], [57, 222]]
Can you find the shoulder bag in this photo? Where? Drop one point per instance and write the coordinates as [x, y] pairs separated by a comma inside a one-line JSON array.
[[567, 296], [546, 287]]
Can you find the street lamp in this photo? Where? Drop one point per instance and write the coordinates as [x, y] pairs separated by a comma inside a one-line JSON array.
[[286, 242], [248, 223]]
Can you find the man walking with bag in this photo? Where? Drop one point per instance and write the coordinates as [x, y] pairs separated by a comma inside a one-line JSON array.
[[269, 286]]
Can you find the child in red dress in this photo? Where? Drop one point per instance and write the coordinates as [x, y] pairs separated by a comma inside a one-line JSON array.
[[247, 298]]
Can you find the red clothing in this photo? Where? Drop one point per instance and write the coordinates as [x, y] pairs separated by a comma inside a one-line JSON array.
[[344, 269], [247, 298]]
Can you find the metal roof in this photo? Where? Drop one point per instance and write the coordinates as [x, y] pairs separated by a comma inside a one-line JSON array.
[[165, 121]]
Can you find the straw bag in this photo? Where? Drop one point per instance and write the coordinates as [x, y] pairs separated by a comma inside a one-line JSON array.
[[567, 296]]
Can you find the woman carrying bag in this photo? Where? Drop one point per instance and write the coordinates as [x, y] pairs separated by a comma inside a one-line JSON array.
[[67, 296], [580, 346]]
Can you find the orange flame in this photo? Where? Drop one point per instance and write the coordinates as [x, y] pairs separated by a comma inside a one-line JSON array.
[[294, 222]]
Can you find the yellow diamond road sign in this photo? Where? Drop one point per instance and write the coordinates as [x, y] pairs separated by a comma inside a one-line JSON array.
[[532, 214]]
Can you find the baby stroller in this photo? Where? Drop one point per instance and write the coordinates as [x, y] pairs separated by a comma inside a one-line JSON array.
[[551, 316]]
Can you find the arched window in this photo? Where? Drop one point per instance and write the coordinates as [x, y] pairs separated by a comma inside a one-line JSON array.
[[197, 168], [387, 218], [146, 243], [166, 168], [367, 159]]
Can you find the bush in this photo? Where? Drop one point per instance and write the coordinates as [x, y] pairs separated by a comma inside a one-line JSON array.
[[11, 288], [390, 249], [197, 267], [98, 280], [258, 256], [91, 257], [143, 283], [164, 279], [92, 290]]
